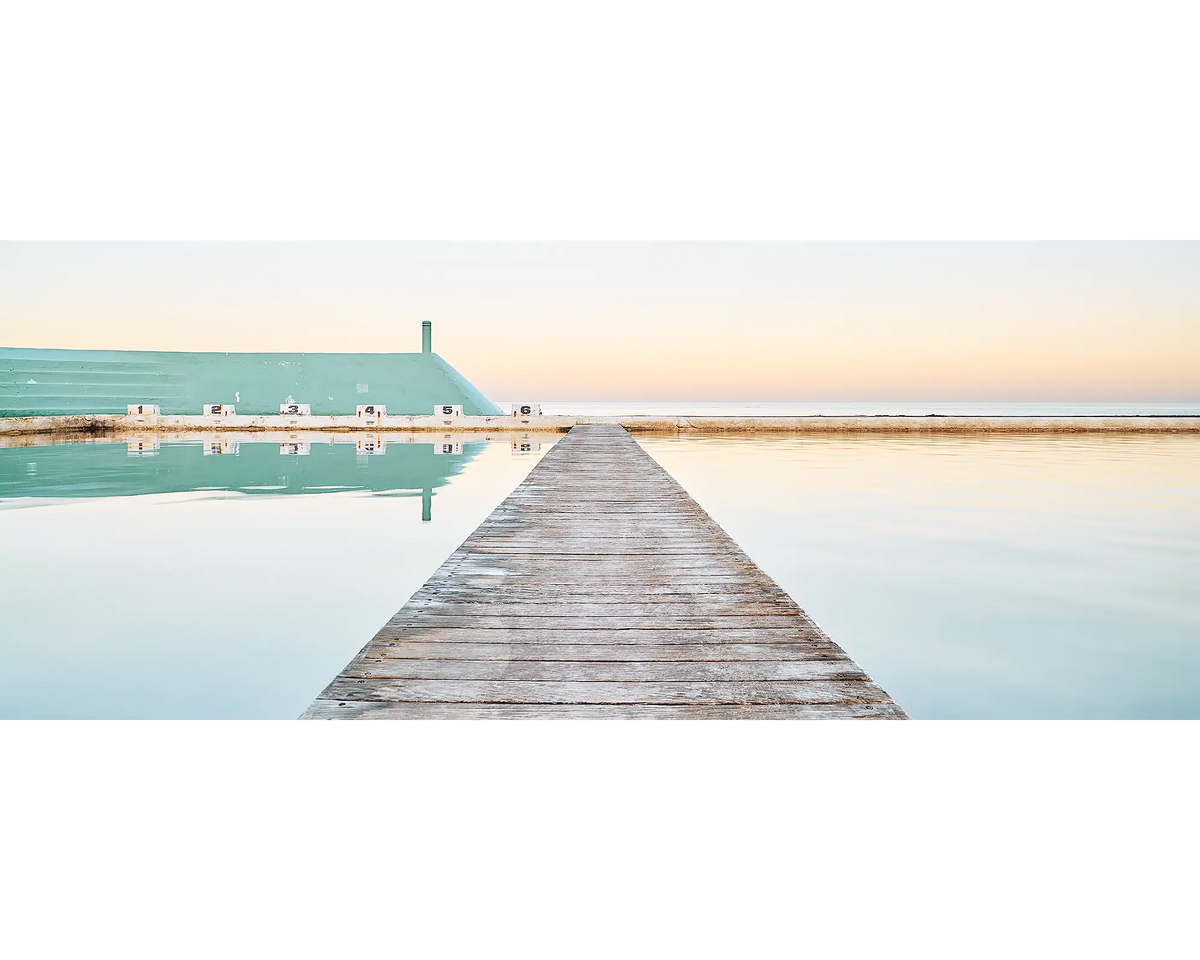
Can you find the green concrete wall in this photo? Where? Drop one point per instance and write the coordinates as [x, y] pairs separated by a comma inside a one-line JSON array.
[[60, 382]]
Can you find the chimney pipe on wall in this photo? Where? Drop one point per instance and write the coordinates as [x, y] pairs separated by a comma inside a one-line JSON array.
[[426, 337]]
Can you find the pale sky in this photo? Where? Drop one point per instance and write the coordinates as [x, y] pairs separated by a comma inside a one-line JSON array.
[[641, 321]]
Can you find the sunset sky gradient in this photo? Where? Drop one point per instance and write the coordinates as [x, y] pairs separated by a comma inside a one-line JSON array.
[[646, 321]]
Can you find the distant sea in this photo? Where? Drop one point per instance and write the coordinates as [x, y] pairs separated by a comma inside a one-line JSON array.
[[864, 408]]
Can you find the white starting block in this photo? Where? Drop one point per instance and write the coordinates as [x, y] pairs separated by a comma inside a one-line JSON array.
[[142, 410], [371, 412], [294, 448], [292, 409], [218, 447], [370, 445], [452, 448], [527, 410], [142, 446], [448, 410], [217, 410]]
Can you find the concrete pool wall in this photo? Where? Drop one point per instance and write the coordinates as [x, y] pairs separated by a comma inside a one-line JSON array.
[[107, 424]]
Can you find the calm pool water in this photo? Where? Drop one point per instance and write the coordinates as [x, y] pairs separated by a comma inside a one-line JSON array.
[[221, 579], [990, 576], [971, 576]]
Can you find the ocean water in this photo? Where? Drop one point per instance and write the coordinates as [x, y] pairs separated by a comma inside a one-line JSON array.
[[863, 408], [977, 576]]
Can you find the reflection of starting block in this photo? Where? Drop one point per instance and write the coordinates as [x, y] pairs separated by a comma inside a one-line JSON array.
[[217, 410], [448, 410], [297, 448], [145, 445], [527, 410], [371, 445], [220, 446], [447, 447], [524, 447], [371, 412], [142, 410]]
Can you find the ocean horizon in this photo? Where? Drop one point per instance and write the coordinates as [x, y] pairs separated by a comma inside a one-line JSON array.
[[866, 408]]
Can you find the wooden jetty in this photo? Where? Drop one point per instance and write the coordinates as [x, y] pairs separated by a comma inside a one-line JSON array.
[[600, 589]]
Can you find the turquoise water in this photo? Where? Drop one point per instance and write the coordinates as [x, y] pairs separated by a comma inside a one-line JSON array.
[[990, 576], [971, 576]]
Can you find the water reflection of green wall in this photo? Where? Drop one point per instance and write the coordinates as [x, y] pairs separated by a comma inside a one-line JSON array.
[[108, 469]]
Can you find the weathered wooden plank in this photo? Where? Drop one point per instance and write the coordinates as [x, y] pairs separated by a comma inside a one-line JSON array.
[[667, 634], [388, 668], [599, 588], [691, 607], [695, 556], [589, 608], [606, 593], [384, 709], [612, 587], [421, 618], [803, 632], [457, 650], [588, 691], [653, 567]]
